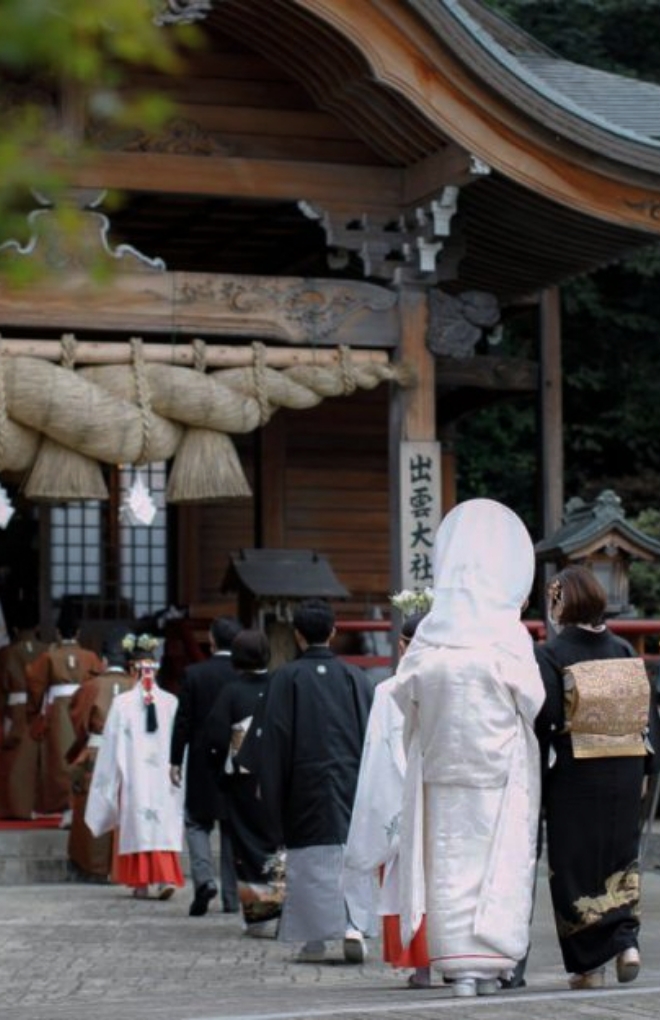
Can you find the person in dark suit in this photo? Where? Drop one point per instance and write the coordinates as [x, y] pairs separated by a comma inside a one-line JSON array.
[[200, 688]]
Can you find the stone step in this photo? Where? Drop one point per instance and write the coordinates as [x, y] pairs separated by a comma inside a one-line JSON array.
[[29, 856], [32, 855]]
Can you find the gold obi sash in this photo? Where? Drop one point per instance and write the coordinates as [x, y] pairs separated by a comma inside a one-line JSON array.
[[607, 708]]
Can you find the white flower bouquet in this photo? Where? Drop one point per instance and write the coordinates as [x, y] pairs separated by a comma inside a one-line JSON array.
[[409, 602]]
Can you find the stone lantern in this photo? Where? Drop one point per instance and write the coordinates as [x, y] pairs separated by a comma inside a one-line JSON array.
[[599, 536]]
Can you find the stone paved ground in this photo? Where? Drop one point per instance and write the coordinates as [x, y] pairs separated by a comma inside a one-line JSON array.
[[70, 951]]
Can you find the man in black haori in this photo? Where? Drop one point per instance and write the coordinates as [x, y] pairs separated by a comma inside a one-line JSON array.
[[598, 729], [313, 730], [201, 686]]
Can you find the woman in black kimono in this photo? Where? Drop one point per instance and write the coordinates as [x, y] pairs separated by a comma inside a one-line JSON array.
[[259, 869], [597, 731]]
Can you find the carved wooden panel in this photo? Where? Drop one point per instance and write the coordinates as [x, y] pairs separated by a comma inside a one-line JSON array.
[[290, 309]]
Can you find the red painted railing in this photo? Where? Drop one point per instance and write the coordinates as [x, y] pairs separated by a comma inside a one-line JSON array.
[[644, 635]]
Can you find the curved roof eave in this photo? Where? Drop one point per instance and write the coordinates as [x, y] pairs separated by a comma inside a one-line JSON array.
[[574, 537], [425, 56], [558, 110]]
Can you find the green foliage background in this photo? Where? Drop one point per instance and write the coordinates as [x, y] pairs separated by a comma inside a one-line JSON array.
[[611, 327], [73, 51]]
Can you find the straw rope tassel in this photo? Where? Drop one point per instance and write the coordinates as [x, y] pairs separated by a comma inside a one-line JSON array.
[[206, 466], [60, 474], [150, 410]]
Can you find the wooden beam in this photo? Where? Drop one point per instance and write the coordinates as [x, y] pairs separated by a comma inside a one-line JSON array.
[[488, 372], [292, 309], [90, 352], [361, 187], [449, 166]]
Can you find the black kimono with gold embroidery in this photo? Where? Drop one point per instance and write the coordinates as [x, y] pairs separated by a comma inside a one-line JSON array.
[[592, 810]]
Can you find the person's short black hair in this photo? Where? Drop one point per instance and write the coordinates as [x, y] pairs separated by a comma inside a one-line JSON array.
[[68, 624], [223, 631], [114, 652], [314, 619], [410, 625], [250, 650], [25, 615]]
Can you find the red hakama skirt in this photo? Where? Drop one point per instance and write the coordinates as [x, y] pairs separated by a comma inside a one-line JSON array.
[[414, 955], [148, 867]]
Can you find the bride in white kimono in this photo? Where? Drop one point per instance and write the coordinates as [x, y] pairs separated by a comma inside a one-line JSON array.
[[470, 689]]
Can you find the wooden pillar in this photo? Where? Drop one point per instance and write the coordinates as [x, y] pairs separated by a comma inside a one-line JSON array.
[[412, 411], [418, 421], [551, 412]]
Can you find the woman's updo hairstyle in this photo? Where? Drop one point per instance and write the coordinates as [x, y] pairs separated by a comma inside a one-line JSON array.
[[576, 596]]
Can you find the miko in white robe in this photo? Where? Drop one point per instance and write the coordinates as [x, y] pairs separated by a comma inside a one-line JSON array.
[[373, 836], [469, 689], [131, 790]]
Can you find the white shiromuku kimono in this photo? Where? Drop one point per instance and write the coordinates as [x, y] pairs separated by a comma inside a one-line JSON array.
[[131, 786], [469, 689]]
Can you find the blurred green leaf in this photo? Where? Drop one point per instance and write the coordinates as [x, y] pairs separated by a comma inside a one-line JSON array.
[[56, 51]]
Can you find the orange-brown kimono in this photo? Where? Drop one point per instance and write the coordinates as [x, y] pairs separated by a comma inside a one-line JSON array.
[[88, 710], [20, 752], [52, 680]]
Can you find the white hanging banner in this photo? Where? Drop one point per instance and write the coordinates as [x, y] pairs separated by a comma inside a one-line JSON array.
[[420, 511], [6, 508]]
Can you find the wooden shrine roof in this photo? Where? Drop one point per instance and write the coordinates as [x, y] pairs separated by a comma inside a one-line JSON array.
[[619, 104], [364, 111]]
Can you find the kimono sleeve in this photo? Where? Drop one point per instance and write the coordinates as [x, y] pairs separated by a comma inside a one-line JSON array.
[[276, 751], [37, 674], [363, 694], [373, 833], [405, 692], [102, 811], [652, 763], [551, 717], [216, 736], [249, 755], [80, 709], [182, 727]]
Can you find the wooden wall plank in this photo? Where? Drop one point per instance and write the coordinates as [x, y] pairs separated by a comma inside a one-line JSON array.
[[337, 491], [324, 487]]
